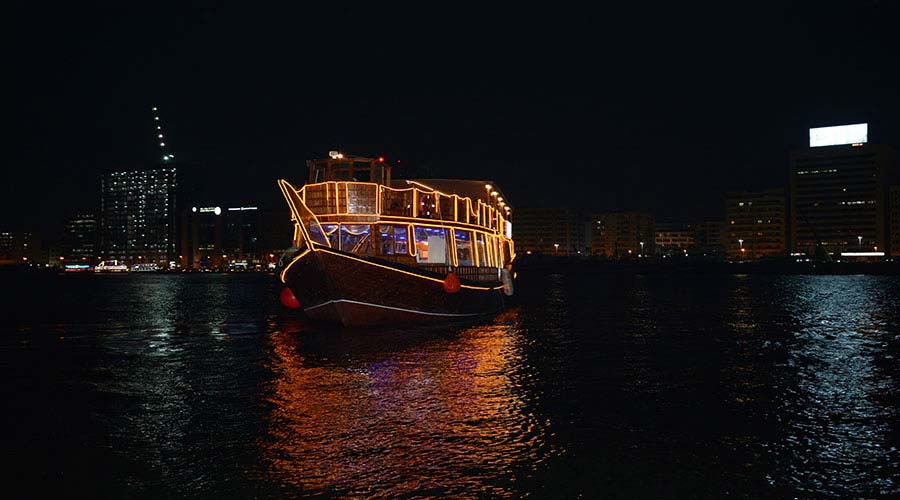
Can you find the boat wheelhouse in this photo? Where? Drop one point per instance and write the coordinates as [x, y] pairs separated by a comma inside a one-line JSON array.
[[369, 249]]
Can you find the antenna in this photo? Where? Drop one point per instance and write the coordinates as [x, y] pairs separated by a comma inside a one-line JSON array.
[[167, 157]]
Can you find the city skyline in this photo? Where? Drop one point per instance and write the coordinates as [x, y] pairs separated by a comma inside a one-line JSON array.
[[602, 121]]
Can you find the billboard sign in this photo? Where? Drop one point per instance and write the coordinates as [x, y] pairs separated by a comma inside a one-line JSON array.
[[843, 134]]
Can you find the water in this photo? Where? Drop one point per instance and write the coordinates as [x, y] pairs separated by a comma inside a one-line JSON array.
[[594, 386]]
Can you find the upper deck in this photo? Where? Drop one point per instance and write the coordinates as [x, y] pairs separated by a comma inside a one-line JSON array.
[[343, 189], [352, 204]]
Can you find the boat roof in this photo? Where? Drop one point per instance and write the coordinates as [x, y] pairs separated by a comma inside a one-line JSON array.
[[475, 189]]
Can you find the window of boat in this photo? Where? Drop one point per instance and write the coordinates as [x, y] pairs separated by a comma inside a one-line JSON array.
[[332, 234], [362, 172], [397, 202], [464, 254], [393, 239], [431, 245], [340, 174], [357, 239], [481, 248]]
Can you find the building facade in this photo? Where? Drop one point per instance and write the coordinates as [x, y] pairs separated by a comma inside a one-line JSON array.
[[221, 238], [623, 235], [755, 223], [839, 199], [675, 238], [709, 238], [79, 242], [138, 221], [20, 247], [549, 231]]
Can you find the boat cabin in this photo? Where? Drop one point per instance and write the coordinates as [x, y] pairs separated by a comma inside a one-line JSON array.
[[431, 224]]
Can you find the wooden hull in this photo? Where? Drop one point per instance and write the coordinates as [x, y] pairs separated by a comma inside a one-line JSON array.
[[341, 288]]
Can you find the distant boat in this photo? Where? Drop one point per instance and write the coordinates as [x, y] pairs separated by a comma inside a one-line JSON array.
[[144, 267], [110, 266], [369, 250]]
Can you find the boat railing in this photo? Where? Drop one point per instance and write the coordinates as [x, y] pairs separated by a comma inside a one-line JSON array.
[[344, 198]]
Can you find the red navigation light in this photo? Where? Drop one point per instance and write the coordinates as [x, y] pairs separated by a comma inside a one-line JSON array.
[[381, 159]]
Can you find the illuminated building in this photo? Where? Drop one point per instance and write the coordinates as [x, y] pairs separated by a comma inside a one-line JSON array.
[[895, 220], [839, 193], [755, 224], [549, 231], [623, 235], [80, 239], [138, 215], [674, 238], [17, 247], [219, 237]]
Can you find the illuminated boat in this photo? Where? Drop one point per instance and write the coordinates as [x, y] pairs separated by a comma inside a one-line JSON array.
[[369, 250], [110, 266]]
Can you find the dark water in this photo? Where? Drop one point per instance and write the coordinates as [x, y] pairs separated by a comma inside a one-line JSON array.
[[594, 386]]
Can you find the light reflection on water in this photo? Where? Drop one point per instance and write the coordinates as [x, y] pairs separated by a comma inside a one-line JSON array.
[[836, 412], [443, 415], [596, 385]]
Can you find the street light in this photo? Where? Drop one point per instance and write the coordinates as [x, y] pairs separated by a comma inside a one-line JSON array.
[[642, 249], [556, 246], [860, 241]]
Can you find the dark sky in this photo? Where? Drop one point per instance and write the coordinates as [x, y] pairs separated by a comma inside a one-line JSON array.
[[642, 107]]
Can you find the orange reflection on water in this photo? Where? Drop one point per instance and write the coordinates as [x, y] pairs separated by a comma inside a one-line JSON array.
[[438, 415]]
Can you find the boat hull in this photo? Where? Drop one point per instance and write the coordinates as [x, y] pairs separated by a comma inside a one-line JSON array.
[[341, 288]]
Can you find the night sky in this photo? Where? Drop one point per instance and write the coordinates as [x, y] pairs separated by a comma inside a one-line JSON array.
[[654, 108]]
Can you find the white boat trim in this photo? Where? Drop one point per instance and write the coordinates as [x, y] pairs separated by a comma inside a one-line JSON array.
[[391, 308]]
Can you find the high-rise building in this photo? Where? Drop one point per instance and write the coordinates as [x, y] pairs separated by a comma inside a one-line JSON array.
[[755, 223], [79, 242], [839, 193], [548, 231], [138, 215], [623, 235], [895, 221]]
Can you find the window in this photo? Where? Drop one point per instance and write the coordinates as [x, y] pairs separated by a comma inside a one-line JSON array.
[[481, 248], [431, 245], [464, 255], [392, 240], [356, 238]]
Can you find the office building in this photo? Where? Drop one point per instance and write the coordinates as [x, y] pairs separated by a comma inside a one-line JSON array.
[[623, 235], [138, 216], [755, 223], [79, 242], [839, 193]]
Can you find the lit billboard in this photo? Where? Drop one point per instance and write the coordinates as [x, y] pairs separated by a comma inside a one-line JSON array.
[[857, 133]]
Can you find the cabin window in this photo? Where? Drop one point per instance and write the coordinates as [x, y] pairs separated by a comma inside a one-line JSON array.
[[464, 254], [393, 240], [331, 231], [397, 203], [431, 245], [481, 248], [357, 239], [340, 174]]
